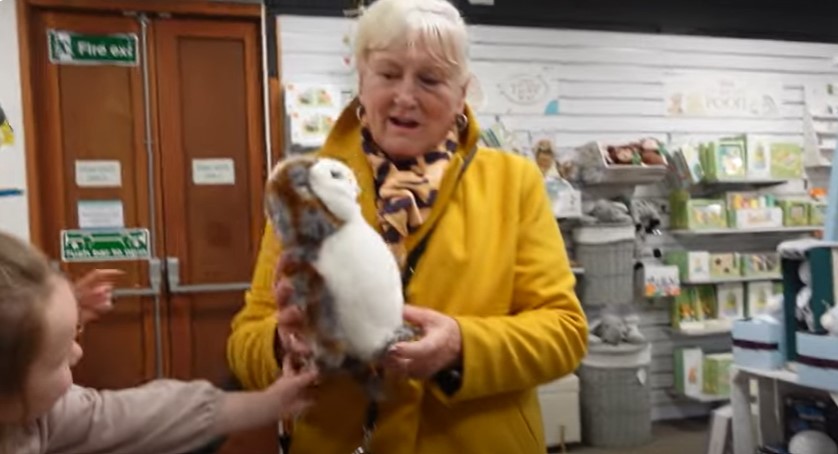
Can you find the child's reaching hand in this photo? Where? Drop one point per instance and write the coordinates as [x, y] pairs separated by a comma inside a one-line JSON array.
[[94, 293], [287, 397], [293, 390]]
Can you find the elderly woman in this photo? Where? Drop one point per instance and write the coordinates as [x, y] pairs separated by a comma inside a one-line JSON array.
[[492, 290]]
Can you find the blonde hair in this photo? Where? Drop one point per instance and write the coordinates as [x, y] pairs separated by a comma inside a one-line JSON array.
[[26, 282], [435, 24]]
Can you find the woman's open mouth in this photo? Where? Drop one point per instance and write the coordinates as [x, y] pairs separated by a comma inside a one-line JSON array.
[[404, 122]]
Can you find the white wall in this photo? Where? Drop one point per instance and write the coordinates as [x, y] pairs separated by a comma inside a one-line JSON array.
[[610, 87], [14, 212]]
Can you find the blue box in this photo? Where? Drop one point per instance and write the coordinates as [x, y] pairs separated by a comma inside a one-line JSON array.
[[758, 345], [817, 361]]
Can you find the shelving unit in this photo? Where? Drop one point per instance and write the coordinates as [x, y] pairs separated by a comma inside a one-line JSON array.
[[706, 398], [733, 231], [733, 280], [705, 187], [702, 332], [770, 383], [819, 129]]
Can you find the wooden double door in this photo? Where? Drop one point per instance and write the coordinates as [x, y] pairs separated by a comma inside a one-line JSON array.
[[172, 141]]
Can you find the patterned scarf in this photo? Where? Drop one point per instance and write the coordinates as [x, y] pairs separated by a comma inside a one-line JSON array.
[[406, 189]]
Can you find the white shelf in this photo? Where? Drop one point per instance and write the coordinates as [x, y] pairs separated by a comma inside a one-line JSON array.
[[725, 280], [700, 332], [630, 175], [783, 375], [578, 270], [706, 398], [746, 181], [732, 231]]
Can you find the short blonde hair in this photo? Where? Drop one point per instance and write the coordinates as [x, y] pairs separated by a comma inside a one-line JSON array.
[[436, 24]]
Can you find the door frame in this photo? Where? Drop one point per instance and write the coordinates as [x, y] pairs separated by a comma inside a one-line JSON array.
[[190, 8]]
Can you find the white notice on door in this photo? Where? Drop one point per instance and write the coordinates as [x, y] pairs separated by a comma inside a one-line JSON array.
[[213, 171], [101, 214], [98, 174]]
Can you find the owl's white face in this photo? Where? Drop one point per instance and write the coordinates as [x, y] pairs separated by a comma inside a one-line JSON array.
[[336, 186]]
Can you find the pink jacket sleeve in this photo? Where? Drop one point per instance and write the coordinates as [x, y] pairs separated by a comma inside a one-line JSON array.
[[163, 416]]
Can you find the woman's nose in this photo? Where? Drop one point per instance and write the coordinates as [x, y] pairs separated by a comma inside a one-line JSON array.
[[406, 93]]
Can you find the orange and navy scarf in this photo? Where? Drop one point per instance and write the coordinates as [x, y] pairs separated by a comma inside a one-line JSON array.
[[406, 189]]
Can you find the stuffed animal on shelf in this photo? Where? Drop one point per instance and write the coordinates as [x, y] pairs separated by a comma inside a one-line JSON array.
[[829, 321], [644, 152], [345, 279], [615, 327], [604, 211], [812, 442], [804, 298], [773, 312], [545, 157], [621, 155], [650, 153]]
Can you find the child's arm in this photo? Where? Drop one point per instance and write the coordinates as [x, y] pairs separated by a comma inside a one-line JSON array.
[[166, 416], [248, 409]]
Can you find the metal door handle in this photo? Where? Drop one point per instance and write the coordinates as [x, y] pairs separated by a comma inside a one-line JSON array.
[[154, 276], [173, 277], [155, 268]]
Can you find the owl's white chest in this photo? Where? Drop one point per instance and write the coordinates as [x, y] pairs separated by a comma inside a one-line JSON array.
[[362, 275]]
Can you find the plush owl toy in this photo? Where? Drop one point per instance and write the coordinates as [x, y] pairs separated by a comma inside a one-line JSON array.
[[344, 277]]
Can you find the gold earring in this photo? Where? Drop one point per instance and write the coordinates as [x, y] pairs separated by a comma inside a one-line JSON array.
[[462, 121]]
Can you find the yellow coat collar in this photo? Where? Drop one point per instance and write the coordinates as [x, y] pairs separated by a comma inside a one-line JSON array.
[[344, 144]]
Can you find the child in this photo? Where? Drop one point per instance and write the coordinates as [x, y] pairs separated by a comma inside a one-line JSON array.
[[41, 411]]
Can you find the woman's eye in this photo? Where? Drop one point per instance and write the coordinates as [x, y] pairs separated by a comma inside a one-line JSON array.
[[430, 81], [389, 76]]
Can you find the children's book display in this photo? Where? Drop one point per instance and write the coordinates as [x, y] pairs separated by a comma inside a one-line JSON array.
[[711, 308], [702, 375], [703, 266], [722, 288], [744, 210], [740, 158]]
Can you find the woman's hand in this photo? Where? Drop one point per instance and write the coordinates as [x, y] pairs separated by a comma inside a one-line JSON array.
[[290, 319], [439, 347], [94, 293]]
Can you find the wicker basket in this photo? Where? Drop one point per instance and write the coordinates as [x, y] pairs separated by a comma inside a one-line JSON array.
[[607, 254], [615, 401]]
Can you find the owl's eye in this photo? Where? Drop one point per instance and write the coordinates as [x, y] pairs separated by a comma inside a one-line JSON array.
[[335, 174]]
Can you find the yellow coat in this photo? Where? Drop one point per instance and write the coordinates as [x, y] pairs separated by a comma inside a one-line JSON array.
[[496, 262]]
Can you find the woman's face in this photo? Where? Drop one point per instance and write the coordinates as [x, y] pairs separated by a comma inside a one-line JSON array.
[[411, 100], [50, 376]]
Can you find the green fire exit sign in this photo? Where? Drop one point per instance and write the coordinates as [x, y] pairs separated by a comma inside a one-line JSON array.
[[104, 245], [79, 49]]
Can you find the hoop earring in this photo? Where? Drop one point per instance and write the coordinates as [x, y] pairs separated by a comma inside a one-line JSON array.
[[360, 111], [462, 121]]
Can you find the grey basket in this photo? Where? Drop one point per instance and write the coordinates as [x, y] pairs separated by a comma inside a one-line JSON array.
[[615, 405], [609, 271]]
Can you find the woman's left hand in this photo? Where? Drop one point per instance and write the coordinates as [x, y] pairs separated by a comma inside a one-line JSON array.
[[439, 347], [94, 293]]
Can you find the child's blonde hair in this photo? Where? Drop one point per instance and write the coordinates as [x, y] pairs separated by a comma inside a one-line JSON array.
[[26, 282]]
